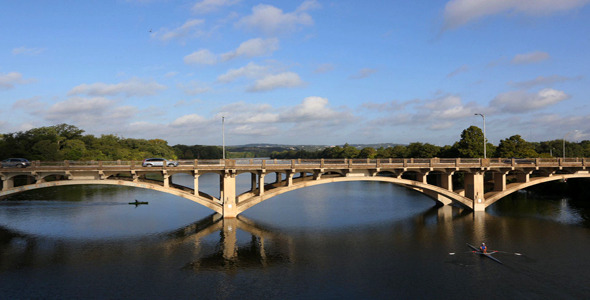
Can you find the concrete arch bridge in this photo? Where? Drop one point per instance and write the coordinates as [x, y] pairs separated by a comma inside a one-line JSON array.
[[485, 181]]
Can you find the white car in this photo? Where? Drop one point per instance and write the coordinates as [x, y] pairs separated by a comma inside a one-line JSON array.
[[158, 162]]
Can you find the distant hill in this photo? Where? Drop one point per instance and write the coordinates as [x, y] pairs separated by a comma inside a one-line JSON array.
[[263, 150]]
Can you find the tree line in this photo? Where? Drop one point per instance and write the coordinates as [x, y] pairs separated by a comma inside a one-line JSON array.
[[470, 145], [68, 142]]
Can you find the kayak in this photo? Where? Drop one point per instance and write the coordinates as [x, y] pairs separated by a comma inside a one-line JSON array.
[[138, 202], [488, 255]]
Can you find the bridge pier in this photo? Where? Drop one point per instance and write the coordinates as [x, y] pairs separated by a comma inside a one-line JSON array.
[[474, 189], [253, 183], [261, 176], [500, 181], [228, 194], [446, 180], [7, 183], [196, 183], [166, 179]]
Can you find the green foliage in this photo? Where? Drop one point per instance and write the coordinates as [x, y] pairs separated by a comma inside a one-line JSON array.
[[198, 152], [67, 142], [471, 143], [515, 146], [420, 150]]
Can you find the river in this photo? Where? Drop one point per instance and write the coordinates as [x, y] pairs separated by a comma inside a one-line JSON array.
[[352, 240]]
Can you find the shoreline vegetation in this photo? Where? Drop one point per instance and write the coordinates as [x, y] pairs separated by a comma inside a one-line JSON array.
[[68, 142]]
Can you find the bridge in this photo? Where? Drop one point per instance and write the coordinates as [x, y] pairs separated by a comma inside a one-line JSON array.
[[473, 183]]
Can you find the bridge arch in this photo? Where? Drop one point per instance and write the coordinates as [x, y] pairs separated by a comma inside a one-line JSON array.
[[492, 197], [202, 198], [253, 200]]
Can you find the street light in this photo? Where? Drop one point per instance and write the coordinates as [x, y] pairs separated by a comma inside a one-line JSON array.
[[484, 134], [223, 136]]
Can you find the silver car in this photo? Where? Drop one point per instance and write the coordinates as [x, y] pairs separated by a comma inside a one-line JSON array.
[[158, 162], [15, 163]]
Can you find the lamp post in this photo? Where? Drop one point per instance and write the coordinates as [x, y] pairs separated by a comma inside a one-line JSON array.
[[484, 134], [223, 137]]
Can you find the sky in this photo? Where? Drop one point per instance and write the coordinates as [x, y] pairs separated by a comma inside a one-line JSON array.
[[313, 72]]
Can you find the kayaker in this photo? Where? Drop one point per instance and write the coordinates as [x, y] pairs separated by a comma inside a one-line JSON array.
[[483, 248]]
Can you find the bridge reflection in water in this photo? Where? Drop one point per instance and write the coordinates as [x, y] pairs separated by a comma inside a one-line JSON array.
[[484, 181], [256, 246]]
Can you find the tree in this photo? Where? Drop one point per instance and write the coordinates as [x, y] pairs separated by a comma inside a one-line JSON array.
[[420, 150], [367, 152], [516, 146], [349, 151], [471, 143]]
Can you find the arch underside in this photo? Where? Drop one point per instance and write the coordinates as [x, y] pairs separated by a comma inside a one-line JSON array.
[[187, 193], [248, 199], [492, 197]]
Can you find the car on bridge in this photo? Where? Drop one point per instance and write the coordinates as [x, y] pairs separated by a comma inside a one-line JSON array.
[[15, 163], [158, 162]]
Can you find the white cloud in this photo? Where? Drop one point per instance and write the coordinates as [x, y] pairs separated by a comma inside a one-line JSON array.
[[461, 12], [252, 48], [201, 57], [324, 68], [78, 108], [193, 88], [30, 104], [530, 58], [207, 6], [129, 88], [363, 73], [449, 108], [255, 131], [187, 30], [461, 69], [271, 82], [247, 113], [27, 51], [312, 109], [251, 70], [188, 121], [544, 81], [272, 20], [9, 80], [170, 74], [521, 101]]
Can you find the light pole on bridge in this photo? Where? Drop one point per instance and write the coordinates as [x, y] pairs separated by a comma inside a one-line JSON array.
[[223, 137], [484, 134]]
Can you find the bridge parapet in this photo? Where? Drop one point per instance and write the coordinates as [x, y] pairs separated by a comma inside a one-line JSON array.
[[258, 164]]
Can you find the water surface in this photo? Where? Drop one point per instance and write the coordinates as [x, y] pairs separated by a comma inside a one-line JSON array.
[[353, 240]]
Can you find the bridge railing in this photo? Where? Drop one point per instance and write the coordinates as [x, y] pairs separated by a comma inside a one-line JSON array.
[[334, 163]]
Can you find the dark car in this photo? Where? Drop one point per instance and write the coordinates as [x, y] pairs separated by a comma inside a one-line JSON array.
[[158, 162], [15, 163]]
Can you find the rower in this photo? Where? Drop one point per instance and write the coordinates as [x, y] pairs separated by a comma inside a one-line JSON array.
[[483, 248]]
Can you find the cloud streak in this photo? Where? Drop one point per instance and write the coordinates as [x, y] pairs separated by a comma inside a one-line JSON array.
[[129, 88], [460, 12]]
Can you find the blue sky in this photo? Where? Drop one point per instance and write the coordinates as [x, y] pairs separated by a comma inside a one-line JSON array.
[[298, 72]]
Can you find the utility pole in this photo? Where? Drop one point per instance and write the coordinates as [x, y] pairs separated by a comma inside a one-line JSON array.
[[484, 134]]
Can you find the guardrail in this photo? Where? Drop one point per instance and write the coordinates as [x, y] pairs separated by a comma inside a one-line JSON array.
[[323, 163]]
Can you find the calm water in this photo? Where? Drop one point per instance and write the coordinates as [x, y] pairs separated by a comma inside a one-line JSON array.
[[335, 241]]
